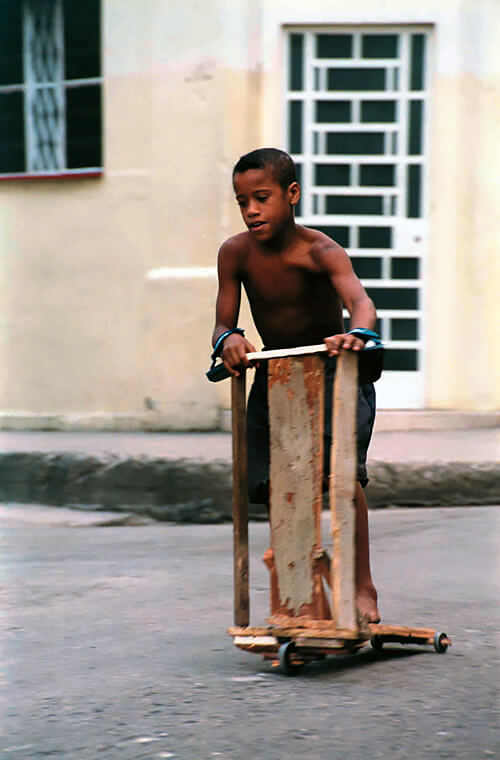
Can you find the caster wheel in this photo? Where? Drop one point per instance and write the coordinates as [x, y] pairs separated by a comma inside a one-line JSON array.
[[377, 642], [285, 653], [439, 642]]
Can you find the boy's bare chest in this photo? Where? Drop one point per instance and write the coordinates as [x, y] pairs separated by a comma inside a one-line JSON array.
[[275, 280]]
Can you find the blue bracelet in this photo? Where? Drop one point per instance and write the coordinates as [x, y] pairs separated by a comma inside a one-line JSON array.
[[220, 340], [364, 333]]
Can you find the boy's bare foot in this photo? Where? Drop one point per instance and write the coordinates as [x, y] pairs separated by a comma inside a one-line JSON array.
[[366, 603]]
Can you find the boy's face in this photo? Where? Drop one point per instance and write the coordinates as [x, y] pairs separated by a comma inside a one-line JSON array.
[[265, 207]]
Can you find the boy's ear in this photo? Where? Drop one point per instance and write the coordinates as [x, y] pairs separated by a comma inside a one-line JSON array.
[[293, 193]]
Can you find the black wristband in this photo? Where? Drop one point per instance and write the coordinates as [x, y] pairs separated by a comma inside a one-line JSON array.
[[220, 341]]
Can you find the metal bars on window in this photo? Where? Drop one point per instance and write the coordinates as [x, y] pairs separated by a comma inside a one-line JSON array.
[[356, 106], [44, 101]]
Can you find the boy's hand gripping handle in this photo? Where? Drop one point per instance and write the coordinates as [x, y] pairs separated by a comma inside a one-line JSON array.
[[370, 360]]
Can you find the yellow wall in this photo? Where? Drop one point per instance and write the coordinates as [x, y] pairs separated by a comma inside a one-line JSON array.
[[464, 273], [88, 339]]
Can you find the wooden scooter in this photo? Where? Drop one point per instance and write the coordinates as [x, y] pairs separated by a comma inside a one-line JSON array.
[[313, 611]]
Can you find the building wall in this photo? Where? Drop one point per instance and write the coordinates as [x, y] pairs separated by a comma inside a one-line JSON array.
[[90, 338], [462, 370]]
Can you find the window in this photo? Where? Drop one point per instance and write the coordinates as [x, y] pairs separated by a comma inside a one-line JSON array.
[[50, 88]]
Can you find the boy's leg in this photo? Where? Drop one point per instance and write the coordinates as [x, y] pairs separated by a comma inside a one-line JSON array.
[[258, 439], [366, 594]]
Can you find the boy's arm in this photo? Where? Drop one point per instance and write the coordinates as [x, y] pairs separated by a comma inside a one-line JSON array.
[[332, 258], [235, 346]]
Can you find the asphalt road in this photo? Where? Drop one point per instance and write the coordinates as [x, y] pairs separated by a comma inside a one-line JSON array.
[[113, 645]]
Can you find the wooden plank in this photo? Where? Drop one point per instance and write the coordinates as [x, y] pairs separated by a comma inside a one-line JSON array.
[[294, 629], [240, 502], [251, 630], [318, 633], [333, 644], [261, 640], [327, 629], [281, 353], [302, 622], [296, 454], [403, 634], [342, 490]]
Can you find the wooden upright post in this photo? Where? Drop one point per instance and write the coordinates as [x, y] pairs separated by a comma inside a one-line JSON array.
[[296, 444], [342, 490], [240, 501]]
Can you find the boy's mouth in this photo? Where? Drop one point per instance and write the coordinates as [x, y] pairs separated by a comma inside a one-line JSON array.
[[256, 225]]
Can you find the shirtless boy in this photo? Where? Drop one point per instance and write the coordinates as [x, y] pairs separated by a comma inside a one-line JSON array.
[[296, 280]]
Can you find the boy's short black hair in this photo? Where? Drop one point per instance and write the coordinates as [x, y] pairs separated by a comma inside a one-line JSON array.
[[279, 162]]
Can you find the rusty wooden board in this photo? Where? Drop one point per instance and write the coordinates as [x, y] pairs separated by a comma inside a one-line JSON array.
[[342, 489], [296, 391], [240, 502]]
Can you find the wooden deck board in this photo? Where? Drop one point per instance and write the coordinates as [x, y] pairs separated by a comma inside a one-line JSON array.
[[295, 631], [321, 632]]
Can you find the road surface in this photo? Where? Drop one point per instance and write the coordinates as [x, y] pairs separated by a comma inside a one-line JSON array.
[[113, 645]]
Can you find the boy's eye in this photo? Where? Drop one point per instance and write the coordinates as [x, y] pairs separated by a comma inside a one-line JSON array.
[[262, 198]]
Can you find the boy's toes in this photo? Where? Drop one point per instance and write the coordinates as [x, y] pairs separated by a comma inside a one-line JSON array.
[[367, 608], [365, 620]]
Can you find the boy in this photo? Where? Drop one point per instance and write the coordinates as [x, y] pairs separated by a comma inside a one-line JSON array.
[[296, 280]]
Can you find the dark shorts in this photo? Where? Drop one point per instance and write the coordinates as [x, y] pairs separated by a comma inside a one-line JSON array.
[[258, 431]]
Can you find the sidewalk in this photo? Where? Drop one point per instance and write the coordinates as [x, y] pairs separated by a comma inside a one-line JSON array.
[[186, 477]]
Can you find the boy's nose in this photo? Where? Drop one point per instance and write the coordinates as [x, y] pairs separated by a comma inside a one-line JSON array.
[[252, 209]]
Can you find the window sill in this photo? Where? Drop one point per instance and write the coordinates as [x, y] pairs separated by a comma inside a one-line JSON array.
[[65, 174]]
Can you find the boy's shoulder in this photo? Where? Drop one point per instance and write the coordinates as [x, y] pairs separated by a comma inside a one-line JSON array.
[[233, 254], [234, 250], [236, 244], [319, 244]]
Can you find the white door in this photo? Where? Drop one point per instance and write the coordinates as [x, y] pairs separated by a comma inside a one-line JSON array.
[[355, 125]]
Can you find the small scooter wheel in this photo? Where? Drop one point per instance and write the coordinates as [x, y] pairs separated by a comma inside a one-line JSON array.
[[377, 642], [285, 653], [439, 642]]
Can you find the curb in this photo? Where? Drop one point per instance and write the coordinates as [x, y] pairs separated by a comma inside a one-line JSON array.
[[425, 484], [193, 491]]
